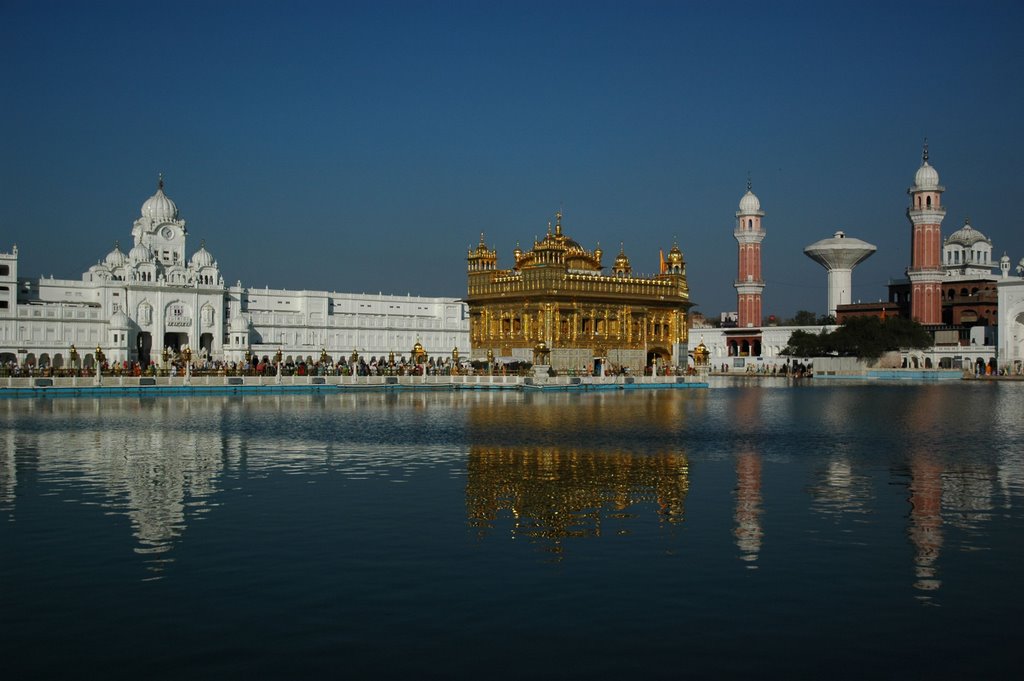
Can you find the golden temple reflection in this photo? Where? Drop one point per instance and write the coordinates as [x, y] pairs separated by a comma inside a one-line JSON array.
[[550, 494], [748, 530]]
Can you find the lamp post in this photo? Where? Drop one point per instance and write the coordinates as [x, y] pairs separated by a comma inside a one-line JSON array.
[[186, 355], [99, 366]]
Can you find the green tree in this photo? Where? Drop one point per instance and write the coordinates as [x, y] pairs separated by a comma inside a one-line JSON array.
[[866, 337], [802, 318]]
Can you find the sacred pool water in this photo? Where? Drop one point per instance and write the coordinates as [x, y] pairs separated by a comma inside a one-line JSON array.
[[817, 530]]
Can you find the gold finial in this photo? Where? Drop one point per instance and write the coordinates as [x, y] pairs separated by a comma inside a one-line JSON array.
[[482, 242], [558, 223]]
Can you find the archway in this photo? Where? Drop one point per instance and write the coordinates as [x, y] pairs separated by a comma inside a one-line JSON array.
[[661, 356], [206, 344], [175, 341], [143, 346]]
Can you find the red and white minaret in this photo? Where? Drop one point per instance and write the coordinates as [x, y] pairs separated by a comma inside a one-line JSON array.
[[925, 272], [749, 283]]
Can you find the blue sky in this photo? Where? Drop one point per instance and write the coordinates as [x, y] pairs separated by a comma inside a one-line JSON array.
[[364, 146]]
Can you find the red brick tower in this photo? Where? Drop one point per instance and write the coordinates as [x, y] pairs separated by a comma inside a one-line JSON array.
[[925, 273], [749, 283]]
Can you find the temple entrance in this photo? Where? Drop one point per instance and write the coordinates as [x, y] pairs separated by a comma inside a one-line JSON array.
[[143, 346], [175, 341], [206, 345], [659, 357]]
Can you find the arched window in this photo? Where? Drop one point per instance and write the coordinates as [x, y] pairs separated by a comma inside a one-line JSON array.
[[928, 201], [750, 223]]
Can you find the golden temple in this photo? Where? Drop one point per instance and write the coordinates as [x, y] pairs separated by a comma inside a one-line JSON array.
[[557, 306]]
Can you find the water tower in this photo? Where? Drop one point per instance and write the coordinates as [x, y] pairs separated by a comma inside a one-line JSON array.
[[839, 255]]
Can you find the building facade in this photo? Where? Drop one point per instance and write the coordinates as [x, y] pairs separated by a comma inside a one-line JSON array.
[[556, 305], [1011, 321], [132, 306]]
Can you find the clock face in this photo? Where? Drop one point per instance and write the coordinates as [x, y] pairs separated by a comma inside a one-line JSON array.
[[167, 232]]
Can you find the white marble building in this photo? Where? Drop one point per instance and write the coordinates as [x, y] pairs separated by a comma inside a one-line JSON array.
[[133, 305], [1011, 319]]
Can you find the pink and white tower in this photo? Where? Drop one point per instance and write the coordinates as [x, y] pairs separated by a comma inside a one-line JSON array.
[[925, 272], [749, 284]]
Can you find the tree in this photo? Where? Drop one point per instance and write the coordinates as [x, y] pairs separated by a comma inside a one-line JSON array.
[[802, 318], [808, 318], [865, 337]]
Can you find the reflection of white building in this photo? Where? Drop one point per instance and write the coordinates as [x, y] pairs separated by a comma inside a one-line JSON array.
[[135, 304]]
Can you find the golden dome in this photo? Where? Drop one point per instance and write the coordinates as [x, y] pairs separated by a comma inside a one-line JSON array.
[[675, 256], [622, 265]]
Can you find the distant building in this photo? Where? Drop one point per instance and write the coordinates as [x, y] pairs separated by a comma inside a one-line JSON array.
[[131, 306], [555, 304], [951, 286], [1011, 319]]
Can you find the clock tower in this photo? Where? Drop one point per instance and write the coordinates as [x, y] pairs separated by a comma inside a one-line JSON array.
[[160, 230]]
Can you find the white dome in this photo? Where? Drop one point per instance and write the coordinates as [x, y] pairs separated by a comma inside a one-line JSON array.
[[159, 206], [239, 324], [119, 321], [926, 177], [201, 258], [967, 236], [750, 203], [140, 253], [115, 258]]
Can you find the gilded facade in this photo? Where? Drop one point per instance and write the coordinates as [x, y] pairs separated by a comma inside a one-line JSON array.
[[558, 294]]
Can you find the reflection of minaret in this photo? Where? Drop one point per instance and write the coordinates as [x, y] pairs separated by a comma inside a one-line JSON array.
[[747, 419], [925, 519], [748, 506]]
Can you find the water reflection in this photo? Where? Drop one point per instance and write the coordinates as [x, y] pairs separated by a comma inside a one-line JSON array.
[[839, 489], [748, 421], [552, 494], [925, 529], [748, 530], [551, 468]]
